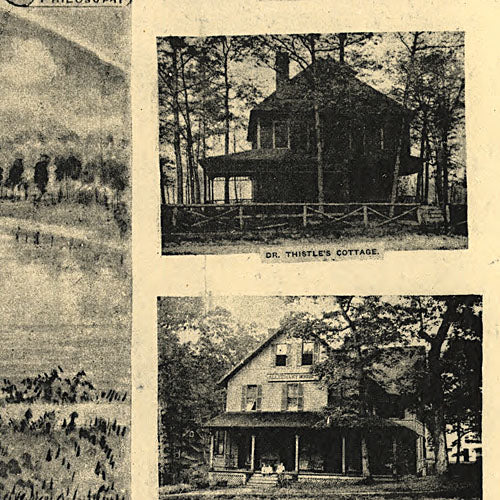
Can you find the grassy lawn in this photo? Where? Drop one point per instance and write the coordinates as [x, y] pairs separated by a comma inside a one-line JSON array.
[[93, 221], [393, 239], [424, 488]]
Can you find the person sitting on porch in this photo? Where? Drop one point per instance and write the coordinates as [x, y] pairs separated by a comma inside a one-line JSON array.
[[266, 469], [280, 469]]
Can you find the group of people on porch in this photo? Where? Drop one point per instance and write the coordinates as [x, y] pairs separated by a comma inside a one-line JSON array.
[[268, 469]]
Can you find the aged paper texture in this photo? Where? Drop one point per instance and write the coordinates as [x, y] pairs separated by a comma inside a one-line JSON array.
[[65, 272], [230, 273]]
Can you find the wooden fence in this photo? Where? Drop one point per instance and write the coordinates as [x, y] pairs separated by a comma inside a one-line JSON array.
[[180, 220]]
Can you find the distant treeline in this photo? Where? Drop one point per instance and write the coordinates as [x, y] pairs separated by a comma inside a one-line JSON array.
[[65, 177]]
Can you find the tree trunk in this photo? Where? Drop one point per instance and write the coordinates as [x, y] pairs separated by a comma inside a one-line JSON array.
[[177, 135], [193, 170], [227, 124], [426, 170], [317, 129], [439, 442], [445, 159], [342, 39], [365, 460], [404, 126], [420, 175], [459, 441], [438, 422]]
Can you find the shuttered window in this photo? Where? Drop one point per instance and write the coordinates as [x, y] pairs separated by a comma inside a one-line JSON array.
[[292, 397], [251, 398], [307, 353]]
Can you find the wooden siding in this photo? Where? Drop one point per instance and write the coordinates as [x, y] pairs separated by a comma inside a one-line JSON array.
[[258, 371]]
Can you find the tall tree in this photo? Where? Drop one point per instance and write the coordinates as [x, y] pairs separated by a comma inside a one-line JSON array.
[[412, 51], [359, 330], [442, 322]]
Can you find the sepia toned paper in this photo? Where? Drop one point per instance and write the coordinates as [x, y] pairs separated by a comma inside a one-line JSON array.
[[83, 295], [466, 271]]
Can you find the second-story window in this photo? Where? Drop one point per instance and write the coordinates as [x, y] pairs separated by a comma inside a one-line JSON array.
[[273, 135], [307, 353], [280, 134], [281, 355], [266, 135], [293, 397], [251, 397]]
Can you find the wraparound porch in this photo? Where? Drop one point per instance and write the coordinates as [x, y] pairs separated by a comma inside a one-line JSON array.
[[309, 450]]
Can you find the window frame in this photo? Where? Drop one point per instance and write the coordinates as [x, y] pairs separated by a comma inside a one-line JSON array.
[[273, 123], [311, 354], [285, 356]]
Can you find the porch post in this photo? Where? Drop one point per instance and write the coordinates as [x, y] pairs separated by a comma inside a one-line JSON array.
[[418, 454], [395, 453], [226, 189], [225, 447], [297, 447], [344, 468], [211, 460], [205, 188], [252, 453]]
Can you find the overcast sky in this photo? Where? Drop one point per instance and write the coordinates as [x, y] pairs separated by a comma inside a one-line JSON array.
[[64, 70]]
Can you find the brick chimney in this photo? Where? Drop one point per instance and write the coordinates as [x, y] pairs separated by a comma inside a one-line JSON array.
[[282, 68]]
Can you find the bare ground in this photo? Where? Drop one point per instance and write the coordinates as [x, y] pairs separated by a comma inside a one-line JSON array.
[[391, 242], [423, 488]]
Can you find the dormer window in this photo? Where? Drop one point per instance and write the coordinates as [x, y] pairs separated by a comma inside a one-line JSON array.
[[307, 353], [273, 134], [281, 354]]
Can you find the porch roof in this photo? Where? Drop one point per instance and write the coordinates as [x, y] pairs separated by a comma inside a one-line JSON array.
[[246, 162], [266, 419], [294, 420], [253, 159]]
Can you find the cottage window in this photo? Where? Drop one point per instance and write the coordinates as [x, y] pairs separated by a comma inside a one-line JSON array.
[[307, 353], [251, 397], [266, 135], [293, 397], [219, 443], [281, 354], [280, 134], [382, 144], [274, 135]]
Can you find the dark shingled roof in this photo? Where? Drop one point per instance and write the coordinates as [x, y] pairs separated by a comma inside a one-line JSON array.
[[296, 420], [266, 419]]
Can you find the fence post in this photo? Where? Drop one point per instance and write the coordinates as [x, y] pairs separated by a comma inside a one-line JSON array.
[[242, 222], [304, 215], [365, 215]]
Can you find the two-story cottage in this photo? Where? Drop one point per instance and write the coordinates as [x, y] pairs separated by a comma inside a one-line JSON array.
[[360, 134], [274, 416]]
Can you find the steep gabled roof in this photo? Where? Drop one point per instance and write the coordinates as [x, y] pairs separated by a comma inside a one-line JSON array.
[[254, 353], [381, 376], [332, 75]]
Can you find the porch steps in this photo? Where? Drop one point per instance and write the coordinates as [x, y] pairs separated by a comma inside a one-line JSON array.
[[257, 480]]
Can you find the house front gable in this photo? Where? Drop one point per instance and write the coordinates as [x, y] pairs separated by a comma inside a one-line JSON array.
[[279, 378]]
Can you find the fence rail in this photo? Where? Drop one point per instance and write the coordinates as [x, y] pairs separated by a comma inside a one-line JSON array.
[[190, 219]]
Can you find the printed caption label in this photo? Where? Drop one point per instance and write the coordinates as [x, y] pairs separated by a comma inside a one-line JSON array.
[[326, 253]]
